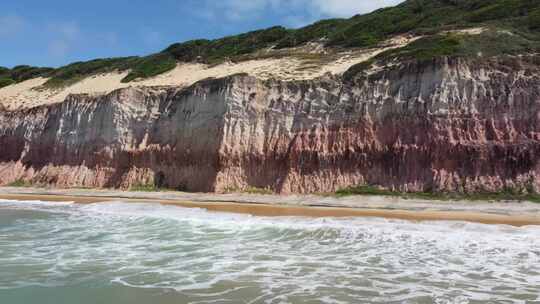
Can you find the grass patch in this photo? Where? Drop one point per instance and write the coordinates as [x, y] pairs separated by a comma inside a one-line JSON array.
[[491, 43], [212, 51], [21, 73], [144, 188], [74, 72], [248, 190], [20, 183], [365, 190], [255, 190], [533, 21], [140, 187], [427, 48], [151, 66], [504, 195], [4, 82]]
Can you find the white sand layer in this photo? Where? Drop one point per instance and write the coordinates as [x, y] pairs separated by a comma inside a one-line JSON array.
[[31, 93]]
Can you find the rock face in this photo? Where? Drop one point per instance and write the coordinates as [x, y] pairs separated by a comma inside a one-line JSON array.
[[444, 125]]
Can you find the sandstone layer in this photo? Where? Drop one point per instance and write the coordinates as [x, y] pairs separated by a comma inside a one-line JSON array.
[[442, 125]]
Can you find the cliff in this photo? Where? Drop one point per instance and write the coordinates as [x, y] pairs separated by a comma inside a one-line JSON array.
[[438, 125]]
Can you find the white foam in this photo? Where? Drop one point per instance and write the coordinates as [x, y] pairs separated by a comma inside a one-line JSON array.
[[33, 202], [197, 253]]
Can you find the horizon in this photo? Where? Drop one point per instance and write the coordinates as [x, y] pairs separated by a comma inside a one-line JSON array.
[[68, 33]]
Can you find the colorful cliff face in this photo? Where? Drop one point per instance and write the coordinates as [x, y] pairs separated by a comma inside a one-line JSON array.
[[438, 125]]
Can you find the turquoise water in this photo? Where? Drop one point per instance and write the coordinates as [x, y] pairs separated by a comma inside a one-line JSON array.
[[147, 253]]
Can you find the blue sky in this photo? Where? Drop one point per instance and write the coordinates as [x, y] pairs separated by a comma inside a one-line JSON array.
[[57, 32]]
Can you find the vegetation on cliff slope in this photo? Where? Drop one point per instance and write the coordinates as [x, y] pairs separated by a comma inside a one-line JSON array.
[[21, 73], [492, 42], [423, 17]]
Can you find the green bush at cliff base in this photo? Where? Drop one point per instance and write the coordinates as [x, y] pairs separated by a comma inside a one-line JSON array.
[[255, 190], [366, 190], [144, 188], [248, 190], [152, 188], [507, 194], [20, 183]]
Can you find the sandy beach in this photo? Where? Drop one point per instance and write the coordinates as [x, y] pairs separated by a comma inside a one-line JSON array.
[[507, 213]]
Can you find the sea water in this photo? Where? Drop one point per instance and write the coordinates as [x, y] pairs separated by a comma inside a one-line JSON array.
[[148, 253]]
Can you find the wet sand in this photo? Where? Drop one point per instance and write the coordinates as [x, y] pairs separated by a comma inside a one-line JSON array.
[[264, 209]]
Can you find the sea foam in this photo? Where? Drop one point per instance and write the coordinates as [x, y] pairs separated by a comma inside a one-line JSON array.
[[205, 255]]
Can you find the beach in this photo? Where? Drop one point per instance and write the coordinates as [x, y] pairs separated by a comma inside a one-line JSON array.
[[507, 213]]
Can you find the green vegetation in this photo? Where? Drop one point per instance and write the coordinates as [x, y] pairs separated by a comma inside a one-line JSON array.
[[150, 66], [4, 82], [213, 51], [249, 190], [21, 73], [76, 71], [427, 48], [20, 183], [316, 31], [255, 190], [492, 42], [141, 187], [25, 72], [533, 21], [366, 190], [144, 188], [508, 194], [425, 17]]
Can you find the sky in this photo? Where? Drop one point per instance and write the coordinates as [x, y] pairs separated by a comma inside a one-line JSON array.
[[57, 32]]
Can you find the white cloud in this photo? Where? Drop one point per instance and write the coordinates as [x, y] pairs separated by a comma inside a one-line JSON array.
[[304, 10], [347, 8], [237, 10]]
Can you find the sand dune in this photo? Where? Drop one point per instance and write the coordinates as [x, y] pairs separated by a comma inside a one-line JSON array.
[[31, 93]]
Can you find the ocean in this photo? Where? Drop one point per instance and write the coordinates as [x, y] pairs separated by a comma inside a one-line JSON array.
[[148, 253]]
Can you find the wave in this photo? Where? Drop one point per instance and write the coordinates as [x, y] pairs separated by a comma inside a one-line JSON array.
[[207, 255]]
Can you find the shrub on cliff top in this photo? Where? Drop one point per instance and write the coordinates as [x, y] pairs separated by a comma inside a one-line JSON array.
[[212, 51], [534, 20], [25, 72], [4, 72], [427, 48], [4, 82], [490, 43], [78, 70], [150, 66]]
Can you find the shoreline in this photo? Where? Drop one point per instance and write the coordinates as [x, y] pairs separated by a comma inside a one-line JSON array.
[[516, 215]]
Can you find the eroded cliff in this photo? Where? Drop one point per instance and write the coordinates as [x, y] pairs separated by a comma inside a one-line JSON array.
[[441, 125]]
